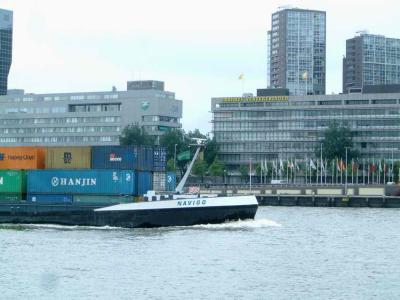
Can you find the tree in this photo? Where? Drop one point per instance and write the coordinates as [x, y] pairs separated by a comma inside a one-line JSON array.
[[133, 134], [336, 140], [196, 134], [172, 138], [199, 168], [216, 168], [170, 165], [210, 151], [244, 172]]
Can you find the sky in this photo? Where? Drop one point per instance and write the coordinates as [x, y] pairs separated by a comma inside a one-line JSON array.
[[198, 48]]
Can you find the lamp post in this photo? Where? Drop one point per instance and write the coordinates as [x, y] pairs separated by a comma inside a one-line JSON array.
[[321, 164], [175, 156]]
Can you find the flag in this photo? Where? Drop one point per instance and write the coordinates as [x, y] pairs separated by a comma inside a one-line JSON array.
[[185, 155], [312, 165], [372, 167], [265, 166], [304, 76], [338, 165], [354, 165], [241, 76], [296, 165], [274, 166], [342, 165], [281, 164]]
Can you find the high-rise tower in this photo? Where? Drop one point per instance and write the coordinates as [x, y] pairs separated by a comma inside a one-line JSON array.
[[6, 30], [297, 51], [371, 60]]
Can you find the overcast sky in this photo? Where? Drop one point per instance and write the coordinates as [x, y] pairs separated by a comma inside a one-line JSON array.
[[198, 48]]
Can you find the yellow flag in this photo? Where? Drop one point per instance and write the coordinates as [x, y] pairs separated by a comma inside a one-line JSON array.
[[304, 75], [241, 76]]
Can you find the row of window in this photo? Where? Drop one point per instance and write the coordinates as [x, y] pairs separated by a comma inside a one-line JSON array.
[[109, 119], [308, 103], [59, 139], [95, 107], [293, 114], [159, 119], [302, 125], [64, 98], [80, 129]]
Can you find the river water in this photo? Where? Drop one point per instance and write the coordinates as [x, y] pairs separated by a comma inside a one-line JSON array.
[[286, 253]]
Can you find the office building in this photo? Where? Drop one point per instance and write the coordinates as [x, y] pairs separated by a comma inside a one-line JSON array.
[[6, 31], [87, 118], [287, 127], [297, 51], [370, 60]]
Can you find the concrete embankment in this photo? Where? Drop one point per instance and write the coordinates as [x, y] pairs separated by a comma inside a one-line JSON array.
[[321, 196]]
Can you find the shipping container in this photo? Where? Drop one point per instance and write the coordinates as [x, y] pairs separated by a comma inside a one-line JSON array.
[[10, 197], [159, 181], [160, 159], [144, 182], [108, 182], [101, 199], [49, 198], [22, 158], [68, 157], [12, 181], [145, 158], [170, 184], [114, 157]]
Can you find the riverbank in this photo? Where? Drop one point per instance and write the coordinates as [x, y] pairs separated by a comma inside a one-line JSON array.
[[319, 196]]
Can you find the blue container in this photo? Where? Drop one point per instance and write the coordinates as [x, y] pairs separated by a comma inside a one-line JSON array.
[[144, 182], [49, 199], [145, 158], [170, 183], [97, 182], [114, 157], [160, 159]]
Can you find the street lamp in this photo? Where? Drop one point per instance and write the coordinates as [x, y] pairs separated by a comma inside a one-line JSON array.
[[175, 156]]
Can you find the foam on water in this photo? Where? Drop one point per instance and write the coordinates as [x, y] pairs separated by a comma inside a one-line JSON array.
[[241, 224], [56, 227]]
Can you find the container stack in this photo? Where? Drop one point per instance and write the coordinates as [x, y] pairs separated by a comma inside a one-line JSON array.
[[98, 175]]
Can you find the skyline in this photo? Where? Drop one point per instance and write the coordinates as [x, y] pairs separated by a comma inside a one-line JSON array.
[[199, 53]]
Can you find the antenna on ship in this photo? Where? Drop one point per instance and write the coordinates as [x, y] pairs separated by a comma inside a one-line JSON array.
[[199, 143]]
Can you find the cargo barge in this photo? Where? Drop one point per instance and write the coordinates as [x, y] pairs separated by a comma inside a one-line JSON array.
[[103, 190], [177, 212]]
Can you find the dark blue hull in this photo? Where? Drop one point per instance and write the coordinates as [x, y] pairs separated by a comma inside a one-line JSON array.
[[81, 215]]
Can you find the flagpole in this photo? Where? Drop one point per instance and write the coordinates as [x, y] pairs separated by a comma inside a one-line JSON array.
[[321, 162], [363, 172], [384, 171], [357, 172], [250, 174]]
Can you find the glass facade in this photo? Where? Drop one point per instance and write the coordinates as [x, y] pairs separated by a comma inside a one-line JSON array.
[[297, 51], [371, 60], [6, 30], [293, 129], [381, 60]]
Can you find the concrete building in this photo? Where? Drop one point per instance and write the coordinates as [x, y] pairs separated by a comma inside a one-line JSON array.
[[297, 51], [287, 127], [370, 60], [87, 118], [6, 31]]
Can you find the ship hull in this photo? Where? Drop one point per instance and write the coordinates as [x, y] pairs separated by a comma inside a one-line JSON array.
[[134, 215]]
